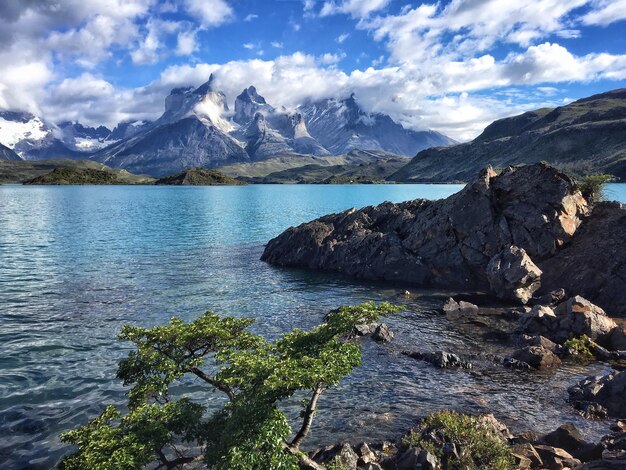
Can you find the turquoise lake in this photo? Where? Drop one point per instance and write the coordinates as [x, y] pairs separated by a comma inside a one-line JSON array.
[[76, 263]]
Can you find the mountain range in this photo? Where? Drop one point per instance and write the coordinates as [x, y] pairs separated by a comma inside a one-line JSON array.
[[586, 136], [197, 129]]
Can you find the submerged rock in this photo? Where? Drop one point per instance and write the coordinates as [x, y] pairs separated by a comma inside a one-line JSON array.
[[441, 359], [451, 242], [459, 310], [382, 334]]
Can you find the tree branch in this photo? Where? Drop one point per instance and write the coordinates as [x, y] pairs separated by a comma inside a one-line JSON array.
[[306, 462], [309, 413], [208, 379]]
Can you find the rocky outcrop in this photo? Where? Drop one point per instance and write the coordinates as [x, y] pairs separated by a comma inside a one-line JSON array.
[[570, 319], [608, 391], [464, 241], [593, 264]]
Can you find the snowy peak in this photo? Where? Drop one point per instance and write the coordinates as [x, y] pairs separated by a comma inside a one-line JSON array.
[[248, 103]]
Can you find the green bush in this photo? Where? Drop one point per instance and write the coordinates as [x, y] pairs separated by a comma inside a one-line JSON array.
[[478, 446], [592, 187], [579, 347], [250, 432]]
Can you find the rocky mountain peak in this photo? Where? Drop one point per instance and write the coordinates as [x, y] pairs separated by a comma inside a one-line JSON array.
[[206, 87], [248, 104]]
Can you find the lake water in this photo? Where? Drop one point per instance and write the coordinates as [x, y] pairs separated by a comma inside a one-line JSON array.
[[76, 263]]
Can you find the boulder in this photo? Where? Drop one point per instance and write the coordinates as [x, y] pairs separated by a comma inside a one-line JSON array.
[[570, 439], [537, 357], [542, 341], [617, 340], [341, 454], [450, 242], [366, 455], [554, 458], [512, 275], [382, 333], [609, 391], [441, 359], [526, 456], [459, 310], [573, 318], [551, 298], [414, 458]]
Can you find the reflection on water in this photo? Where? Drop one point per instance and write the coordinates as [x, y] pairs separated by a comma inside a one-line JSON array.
[[76, 263]]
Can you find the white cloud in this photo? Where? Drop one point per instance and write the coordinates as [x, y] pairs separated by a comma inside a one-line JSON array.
[[354, 8], [250, 17], [249, 46], [330, 59], [186, 43], [342, 37], [605, 12], [210, 13], [276, 44]]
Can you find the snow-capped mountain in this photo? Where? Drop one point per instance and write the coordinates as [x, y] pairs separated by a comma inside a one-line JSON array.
[[341, 126], [32, 138], [7, 154], [82, 138], [197, 129], [192, 132]]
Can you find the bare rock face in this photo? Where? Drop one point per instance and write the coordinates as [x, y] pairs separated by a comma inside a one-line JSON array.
[[451, 242], [513, 275], [537, 357], [573, 318], [608, 391], [593, 263]]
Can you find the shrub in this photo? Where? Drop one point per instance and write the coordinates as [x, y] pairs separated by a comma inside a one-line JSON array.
[[592, 187], [250, 431], [478, 446], [579, 347]]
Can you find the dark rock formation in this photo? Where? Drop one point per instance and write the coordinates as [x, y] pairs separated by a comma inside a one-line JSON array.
[[449, 243], [609, 391], [441, 359], [593, 264], [382, 334], [572, 318], [537, 357], [459, 310]]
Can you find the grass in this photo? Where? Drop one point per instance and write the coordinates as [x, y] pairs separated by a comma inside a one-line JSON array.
[[479, 447]]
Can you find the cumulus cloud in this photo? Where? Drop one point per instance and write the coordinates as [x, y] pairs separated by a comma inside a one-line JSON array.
[[439, 69], [354, 8], [211, 13]]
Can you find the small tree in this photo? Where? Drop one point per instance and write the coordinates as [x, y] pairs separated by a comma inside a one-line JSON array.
[[592, 186], [255, 375]]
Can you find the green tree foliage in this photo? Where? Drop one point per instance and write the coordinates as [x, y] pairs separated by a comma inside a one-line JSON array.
[[592, 186], [250, 431]]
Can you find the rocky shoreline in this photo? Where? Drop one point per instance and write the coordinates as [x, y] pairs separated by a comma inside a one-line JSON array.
[[525, 235], [517, 233]]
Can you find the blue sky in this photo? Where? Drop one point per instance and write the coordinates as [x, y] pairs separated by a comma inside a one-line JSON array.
[[453, 66]]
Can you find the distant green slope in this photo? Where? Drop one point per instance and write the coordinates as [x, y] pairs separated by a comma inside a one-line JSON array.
[[361, 173], [199, 177], [584, 137], [26, 170], [286, 162]]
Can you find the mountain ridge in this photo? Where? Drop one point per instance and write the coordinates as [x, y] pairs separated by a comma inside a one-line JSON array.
[[586, 136]]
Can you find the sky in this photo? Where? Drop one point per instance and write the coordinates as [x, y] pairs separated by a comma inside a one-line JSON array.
[[453, 66]]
